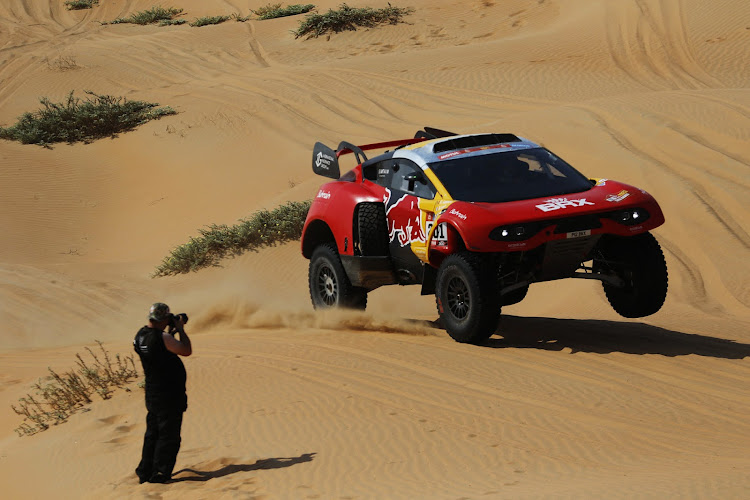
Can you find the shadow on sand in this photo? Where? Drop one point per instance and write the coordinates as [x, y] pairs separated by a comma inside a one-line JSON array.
[[605, 337], [268, 463]]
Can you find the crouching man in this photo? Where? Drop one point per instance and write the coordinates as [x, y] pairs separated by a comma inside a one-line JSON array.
[[166, 398]]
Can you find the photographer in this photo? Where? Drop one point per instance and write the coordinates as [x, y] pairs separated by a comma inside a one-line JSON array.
[[166, 399]]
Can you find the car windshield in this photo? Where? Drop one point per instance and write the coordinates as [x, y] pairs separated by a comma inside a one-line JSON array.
[[509, 176]]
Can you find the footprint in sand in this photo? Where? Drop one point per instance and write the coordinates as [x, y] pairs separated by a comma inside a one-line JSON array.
[[119, 440], [113, 419]]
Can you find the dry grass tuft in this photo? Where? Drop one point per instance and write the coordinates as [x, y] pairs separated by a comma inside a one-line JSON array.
[[81, 4], [163, 15], [349, 19], [59, 396], [273, 11]]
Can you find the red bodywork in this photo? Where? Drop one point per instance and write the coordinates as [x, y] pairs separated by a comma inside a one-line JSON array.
[[468, 225], [335, 202]]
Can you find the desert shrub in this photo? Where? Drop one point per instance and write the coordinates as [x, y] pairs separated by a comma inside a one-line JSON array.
[[61, 63], [205, 21], [151, 16], [272, 11], [239, 17], [59, 396], [263, 229], [349, 19], [74, 120], [81, 4], [171, 22]]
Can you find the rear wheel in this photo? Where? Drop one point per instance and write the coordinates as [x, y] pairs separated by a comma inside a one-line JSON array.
[[639, 262], [468, 305], [329, 285], [372, 229]]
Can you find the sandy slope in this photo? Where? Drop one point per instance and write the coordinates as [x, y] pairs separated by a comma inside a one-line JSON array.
[[569, 400]]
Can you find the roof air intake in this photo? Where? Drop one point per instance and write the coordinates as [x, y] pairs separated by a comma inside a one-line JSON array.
[[473, 141]]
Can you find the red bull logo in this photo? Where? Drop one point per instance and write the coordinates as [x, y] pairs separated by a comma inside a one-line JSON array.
[[404, 223]]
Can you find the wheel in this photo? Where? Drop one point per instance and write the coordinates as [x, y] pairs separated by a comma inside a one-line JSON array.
[[468, 303], [329, 285], [639, 262], [515, 296], [372, 229]]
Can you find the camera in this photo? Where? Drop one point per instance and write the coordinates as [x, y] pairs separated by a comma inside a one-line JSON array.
[[173, 319]]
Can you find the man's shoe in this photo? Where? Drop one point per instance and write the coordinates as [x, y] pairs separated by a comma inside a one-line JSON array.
[[142, 478], [158, 477]]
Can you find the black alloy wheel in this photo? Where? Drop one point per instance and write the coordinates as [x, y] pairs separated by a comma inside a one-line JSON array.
[[467, 300], [329, 285]]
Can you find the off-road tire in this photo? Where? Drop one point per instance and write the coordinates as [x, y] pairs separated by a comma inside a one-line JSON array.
[[515, 296], [639, 262], [468, 304], [329, 285], [372, 229]]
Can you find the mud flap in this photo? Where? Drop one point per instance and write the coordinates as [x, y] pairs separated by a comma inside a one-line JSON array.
[[368, 272], [429, 277]]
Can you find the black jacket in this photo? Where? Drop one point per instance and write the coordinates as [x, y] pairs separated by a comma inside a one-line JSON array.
[[165, 373]]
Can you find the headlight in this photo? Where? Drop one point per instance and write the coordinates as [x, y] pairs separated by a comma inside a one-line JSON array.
[[629, 216], [515, 232]]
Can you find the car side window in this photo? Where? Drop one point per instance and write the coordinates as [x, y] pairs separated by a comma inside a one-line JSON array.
[[380, 173], [409, 178]]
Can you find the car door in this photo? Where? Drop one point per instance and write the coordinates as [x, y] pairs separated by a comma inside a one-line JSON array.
[[408, 188]]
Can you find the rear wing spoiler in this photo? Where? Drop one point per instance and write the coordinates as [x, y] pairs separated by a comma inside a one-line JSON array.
[[325, 161]]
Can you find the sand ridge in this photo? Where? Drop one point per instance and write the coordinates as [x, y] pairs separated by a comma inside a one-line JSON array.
[[567, 400]]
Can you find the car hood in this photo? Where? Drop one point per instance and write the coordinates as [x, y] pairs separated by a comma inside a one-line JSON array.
[[605, 196]]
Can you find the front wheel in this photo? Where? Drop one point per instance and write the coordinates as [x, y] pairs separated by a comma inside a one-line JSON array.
[[639, 262], [329, 285], [469, 306]]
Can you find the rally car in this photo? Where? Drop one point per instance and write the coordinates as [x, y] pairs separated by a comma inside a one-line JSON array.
[[475, 219]]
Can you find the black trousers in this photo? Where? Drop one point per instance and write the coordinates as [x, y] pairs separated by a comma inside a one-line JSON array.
[[160, 443]]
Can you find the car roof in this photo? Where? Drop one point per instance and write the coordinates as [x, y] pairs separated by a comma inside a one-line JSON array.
[[467, 145]]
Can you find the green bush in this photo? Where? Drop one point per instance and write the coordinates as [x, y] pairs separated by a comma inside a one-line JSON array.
[[152, 16], [81, 4], [272, 11], [171, 22], [59, 396], [349, 19], [82, 121], [263, 229], [240, 18], [205, 21]]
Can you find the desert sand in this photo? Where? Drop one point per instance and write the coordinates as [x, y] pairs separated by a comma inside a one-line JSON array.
[[568, 400]]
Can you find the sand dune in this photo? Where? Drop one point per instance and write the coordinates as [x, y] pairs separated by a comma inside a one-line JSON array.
[[568, 400]]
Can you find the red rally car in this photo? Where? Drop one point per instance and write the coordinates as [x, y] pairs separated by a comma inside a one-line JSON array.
[[475, 219]]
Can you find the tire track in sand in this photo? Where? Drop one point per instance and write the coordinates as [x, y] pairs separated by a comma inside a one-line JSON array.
[[712, 205], [256, 47], [648, 41], [698, 296]]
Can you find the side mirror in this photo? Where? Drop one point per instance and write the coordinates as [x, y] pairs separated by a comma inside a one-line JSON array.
[[413, 178], [416, 177]]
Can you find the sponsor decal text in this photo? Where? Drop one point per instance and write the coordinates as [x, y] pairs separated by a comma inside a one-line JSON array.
[[458, 214], [561, 203], [617, 198], [323, 160]]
